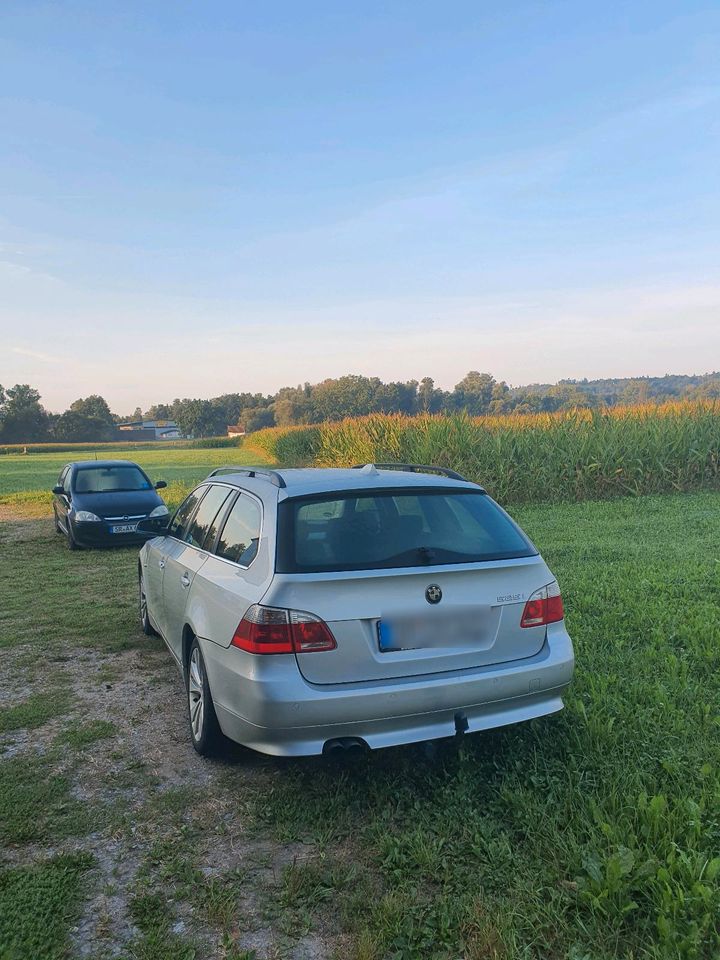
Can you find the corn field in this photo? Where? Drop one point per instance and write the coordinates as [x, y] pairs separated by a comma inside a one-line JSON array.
[[584, 454]]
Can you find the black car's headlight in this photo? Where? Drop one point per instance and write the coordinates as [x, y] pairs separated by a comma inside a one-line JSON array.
[[84, 516]]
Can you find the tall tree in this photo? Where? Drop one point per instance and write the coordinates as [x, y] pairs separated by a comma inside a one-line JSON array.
[[395, 397], [199, 418], [293, 405], [22, 417], [348, 396], [256, 418], [501, 401], [429, 398], [158, 411], [76, 427], [474, 392], [95, 407]]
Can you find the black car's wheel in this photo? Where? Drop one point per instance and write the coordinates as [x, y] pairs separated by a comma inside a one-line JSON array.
[[58, 528], [147, 628], [205, 730]]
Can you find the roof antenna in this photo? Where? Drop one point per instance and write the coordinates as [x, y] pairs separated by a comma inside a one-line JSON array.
[[370, 470]]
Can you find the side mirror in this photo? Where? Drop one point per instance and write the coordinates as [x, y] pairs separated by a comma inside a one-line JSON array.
[[154, 526], [160, 484], [58, 488]]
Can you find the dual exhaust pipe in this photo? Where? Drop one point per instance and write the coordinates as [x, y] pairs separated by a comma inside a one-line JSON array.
[[345, 747], [349, 747]]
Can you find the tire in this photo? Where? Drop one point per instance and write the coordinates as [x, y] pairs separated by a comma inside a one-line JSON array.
[[147, 628], [58, 528], [71, 541], [205, 733]]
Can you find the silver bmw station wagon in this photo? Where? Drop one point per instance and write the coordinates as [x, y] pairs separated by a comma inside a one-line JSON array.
[[320, 610]]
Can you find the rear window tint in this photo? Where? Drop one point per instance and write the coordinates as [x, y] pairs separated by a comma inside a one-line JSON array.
[[395, 529]]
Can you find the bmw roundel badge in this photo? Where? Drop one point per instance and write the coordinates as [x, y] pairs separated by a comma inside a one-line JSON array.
[[433, 594]]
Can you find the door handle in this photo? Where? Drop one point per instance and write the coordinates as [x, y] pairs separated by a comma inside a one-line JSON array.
[[185, 580], [161, 563]]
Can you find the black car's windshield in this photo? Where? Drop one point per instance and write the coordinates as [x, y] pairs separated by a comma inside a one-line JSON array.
[[399, 528], [116, 479]]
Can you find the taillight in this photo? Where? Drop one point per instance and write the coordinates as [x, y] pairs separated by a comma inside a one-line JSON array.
[[544, 606], [272, 630]]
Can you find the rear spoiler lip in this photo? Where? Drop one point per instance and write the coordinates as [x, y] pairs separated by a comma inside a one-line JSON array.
[[454, 486]]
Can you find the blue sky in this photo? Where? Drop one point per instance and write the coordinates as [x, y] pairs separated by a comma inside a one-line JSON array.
[[198, 198]]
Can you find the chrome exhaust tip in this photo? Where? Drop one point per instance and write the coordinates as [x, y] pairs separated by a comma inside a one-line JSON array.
[[345, 747]]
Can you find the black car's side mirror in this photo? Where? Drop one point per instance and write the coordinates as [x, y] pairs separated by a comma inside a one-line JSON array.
[[58, 488], [154, 526], [160, 484]]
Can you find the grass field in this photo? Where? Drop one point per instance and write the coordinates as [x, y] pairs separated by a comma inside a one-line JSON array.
[[591, 835], [29, 478]]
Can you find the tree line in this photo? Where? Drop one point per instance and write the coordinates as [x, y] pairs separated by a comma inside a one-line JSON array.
[[23, 419]]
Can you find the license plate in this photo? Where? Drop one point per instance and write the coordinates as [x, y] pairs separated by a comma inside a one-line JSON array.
[[124, 528], [460, 628]]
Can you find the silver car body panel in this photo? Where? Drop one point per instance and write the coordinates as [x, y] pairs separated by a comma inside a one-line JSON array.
[[261, 703]]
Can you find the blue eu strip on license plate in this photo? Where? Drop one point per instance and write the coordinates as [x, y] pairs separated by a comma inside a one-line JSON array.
[[385, 637]]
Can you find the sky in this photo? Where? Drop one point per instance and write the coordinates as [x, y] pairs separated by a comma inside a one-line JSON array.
[[201, 198]]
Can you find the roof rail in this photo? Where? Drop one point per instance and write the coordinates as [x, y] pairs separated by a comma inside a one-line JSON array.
[[261, 473], [413, 468]]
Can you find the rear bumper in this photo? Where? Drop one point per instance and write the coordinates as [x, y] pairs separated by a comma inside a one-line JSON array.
[[264, 703]]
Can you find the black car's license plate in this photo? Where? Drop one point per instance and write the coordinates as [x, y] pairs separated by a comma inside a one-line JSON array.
[[123, 528]]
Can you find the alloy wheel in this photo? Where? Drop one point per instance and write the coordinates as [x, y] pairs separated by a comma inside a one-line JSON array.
[[196, 678], [143, 602]]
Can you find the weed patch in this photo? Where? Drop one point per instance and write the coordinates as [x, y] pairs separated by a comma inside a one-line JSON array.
[[35, 711], [38, 904], [36, 804], [86, 733]]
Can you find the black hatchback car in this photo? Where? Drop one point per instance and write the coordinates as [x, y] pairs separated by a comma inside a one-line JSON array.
[[100, 502]]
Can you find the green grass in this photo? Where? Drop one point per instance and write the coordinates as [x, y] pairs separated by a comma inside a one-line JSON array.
[[87, 733], [591, 834], [32, 476], [36, 804], [38, 903], [35, 711], [152, 914], [58, 619]]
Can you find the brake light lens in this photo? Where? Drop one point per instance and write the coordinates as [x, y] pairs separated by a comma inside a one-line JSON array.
[[544, 606], [272, 630]]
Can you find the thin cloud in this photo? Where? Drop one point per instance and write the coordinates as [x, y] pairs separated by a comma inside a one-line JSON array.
[[36, 355]]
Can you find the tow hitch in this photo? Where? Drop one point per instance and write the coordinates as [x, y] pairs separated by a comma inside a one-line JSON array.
[[461, 724]]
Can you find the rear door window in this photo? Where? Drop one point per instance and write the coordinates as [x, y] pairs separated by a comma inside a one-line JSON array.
[[202, 521], [241, 534], [218, 521]]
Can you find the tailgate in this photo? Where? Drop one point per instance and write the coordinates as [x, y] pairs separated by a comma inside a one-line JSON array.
[[385, 627]]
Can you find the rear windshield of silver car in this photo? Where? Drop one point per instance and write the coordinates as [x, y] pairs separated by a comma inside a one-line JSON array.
[[394, 528]]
